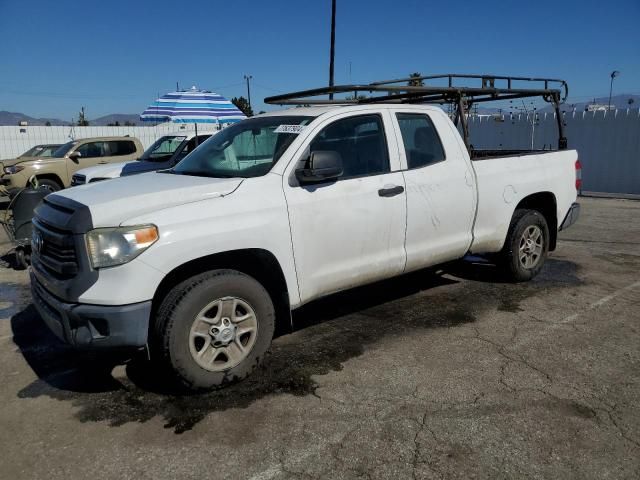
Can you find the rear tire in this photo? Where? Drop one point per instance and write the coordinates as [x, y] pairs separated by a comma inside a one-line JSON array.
[[213, 329], [526, 247]]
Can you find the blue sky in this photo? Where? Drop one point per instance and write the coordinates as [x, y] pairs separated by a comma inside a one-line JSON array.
[[116, 56]]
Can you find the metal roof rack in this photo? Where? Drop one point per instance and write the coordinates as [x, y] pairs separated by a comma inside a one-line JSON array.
[[404, 90]]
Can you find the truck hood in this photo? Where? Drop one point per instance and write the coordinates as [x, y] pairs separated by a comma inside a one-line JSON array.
[[108, 170], [112, 203], [15, 161]]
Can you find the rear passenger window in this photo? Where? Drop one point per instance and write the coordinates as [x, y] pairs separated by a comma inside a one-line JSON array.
[[361, 143], [422, 144], [122, 147]]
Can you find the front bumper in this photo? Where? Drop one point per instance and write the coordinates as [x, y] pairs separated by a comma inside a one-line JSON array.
[[571, 217], [92, 326], [5, 181]]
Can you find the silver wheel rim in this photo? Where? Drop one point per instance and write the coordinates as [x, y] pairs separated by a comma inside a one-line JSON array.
[[531, 246], [223, 334]]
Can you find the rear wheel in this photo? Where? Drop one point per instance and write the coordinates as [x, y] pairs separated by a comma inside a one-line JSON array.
[[526, 246], [214, 328]]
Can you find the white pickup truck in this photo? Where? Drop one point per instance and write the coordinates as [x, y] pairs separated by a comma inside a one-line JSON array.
[[201, 262]]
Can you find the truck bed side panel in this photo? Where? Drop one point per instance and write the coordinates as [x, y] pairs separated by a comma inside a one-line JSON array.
[[504, 182]]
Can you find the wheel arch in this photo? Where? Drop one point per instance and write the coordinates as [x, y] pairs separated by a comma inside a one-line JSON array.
[[50, 176], [545, 203], [257, 263]]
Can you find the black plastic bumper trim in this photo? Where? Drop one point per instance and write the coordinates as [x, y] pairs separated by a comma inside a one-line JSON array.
[[571, 217], [92, 326]]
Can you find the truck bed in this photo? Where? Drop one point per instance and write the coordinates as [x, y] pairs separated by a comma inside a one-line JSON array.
[[505, 180]]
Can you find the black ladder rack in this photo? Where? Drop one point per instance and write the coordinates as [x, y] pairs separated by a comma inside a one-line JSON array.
[[403, 90]]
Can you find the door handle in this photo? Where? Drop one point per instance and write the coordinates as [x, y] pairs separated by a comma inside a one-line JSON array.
[[103, 162], [391, 191]]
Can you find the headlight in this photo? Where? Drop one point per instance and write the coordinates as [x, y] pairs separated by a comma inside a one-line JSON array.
[[109, 247], [13, 169]]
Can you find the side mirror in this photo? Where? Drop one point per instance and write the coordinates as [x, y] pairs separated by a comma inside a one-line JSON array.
[[75, 155], [322, 165]]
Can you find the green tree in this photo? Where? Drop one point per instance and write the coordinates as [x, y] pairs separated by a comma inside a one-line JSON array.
[[243, 105], [47, 123], [82, 120], [127, 123], [415, 81], [114, 124]]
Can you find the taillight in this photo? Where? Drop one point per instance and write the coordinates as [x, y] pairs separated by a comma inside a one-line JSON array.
[[578, 175]]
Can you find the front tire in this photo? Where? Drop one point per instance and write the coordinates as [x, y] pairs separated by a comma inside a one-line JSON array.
[[49, 185], [526, 247], [214, 329]]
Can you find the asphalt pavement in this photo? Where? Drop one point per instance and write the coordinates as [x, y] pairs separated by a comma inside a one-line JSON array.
[[444, 373]]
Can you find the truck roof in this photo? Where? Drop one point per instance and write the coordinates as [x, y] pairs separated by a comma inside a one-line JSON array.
[[316, 111], [103, 139]]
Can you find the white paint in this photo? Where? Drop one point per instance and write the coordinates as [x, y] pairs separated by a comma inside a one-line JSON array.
[[330, 237]]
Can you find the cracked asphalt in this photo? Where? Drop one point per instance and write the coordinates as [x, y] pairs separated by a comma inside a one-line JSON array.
[[445, 373]]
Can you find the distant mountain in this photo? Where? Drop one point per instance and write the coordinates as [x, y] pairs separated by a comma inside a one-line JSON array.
[[121, 118], [14, 119]]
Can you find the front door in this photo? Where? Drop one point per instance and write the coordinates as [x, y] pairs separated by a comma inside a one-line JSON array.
[[351, 231]]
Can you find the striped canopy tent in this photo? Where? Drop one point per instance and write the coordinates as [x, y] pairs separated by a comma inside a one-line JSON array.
[[192, 106]]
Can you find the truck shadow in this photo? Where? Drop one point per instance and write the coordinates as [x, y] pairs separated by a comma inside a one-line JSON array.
[[327, 333]]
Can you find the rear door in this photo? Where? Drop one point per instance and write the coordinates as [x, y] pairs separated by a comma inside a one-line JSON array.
[[120, 151], [351, 231], [440, 189]]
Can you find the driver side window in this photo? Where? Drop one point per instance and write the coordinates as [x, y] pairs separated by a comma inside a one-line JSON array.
[[91, 150], [361, 143]]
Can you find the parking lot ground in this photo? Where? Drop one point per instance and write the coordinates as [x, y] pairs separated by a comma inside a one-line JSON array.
[[445, 373]]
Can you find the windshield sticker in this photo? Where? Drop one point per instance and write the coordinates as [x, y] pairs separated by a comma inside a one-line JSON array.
[[296, 129]]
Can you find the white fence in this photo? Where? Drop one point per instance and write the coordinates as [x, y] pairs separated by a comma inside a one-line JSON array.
[[608, 143], [16, 140]]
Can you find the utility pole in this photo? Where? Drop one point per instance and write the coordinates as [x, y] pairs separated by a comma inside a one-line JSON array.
[[614, 74], [333, 45], [247, 78]]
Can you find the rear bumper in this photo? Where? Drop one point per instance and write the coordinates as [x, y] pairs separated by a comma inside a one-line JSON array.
[[571, 217], [92, 326]]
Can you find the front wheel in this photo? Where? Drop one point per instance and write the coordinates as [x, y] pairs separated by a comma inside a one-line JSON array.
[[526, 246], [214, 328], [49, 185]]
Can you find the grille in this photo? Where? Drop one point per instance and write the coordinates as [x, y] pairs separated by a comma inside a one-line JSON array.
[[55, 250]]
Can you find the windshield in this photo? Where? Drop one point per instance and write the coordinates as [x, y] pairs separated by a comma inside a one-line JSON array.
[[162, 148], [64, 149], [40, 151], [246, 149]]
